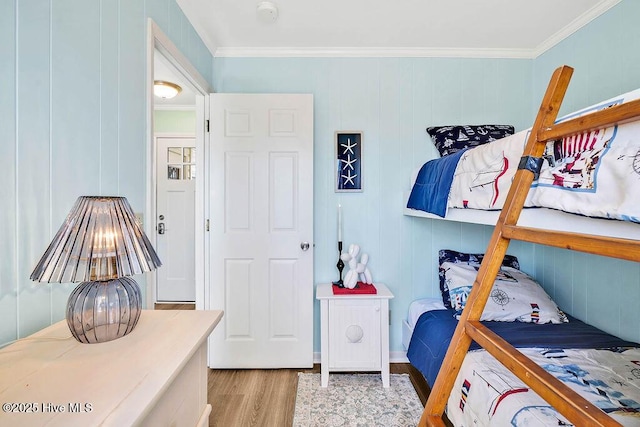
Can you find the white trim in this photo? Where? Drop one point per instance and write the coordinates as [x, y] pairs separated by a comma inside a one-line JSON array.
[[164, 44], [575, 25], [203, 283], [157, 39], [398, 357], [351, 52]]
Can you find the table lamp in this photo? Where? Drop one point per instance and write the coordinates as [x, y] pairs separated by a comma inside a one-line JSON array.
[[99, 245]]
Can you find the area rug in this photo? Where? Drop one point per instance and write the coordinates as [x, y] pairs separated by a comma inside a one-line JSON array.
[[356, 400]]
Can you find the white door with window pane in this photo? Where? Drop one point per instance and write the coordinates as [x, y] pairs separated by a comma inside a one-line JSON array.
[[175, 219], [261, 234]]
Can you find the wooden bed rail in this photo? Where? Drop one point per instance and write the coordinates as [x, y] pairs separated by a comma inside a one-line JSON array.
[[569, 403], [598, 245], [617, 114]]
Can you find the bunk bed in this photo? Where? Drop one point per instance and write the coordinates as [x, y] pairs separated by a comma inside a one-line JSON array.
[[593, 174], [471, 326]]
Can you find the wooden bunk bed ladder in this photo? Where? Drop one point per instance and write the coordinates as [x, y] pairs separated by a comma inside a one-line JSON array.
[[570, 404]]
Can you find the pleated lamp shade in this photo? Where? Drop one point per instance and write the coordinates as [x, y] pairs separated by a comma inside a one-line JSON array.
[[99, 240], [99, 244]]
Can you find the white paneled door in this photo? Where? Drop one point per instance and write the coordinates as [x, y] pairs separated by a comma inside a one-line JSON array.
[[175, 209], [261, 230]]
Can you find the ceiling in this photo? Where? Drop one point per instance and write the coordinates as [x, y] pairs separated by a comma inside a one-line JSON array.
[[470, 28], [423, 28]]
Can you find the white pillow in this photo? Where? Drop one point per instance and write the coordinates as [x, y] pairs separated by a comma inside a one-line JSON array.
[[419, 306], [514, 296]]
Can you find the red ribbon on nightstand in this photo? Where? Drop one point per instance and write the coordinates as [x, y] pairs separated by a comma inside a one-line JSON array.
[[361, 288]]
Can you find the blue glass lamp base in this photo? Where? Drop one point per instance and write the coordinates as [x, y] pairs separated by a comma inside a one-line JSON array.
[[104, 311]]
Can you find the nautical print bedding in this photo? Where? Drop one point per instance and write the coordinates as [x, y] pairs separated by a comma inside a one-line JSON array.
[[433, 331], [485, 393], [594, 174], [603, 368]]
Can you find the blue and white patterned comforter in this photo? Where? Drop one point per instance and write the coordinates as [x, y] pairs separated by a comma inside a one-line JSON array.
[[594, 174], [486, 393]]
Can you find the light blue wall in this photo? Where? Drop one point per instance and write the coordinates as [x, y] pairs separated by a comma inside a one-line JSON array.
[[392, 101], [606, 58], [605, 55], [72, 122]]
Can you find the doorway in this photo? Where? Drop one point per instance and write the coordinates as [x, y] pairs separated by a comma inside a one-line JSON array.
[[165, 61]]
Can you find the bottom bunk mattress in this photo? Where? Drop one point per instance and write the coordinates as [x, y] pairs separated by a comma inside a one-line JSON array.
[[486, 393], [601, 367]]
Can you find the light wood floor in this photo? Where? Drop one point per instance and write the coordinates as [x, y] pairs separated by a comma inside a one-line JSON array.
[[256, 397], [266, 398]]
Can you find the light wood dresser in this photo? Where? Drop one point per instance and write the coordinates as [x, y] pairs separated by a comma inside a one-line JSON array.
[[156, 375]]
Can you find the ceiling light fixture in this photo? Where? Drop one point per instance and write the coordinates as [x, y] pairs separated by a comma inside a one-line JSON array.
[[267, 11], [165, 90]]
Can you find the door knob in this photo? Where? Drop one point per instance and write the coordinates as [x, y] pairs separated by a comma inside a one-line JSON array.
[[304, 246], [161, 228]]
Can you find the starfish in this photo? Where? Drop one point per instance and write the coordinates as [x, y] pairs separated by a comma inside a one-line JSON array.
[[348, 146], [349, 162], [349, 178]]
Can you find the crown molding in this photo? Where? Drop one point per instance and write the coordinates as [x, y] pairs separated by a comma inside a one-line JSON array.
[[353, 52], [417, 52], [574, 26]]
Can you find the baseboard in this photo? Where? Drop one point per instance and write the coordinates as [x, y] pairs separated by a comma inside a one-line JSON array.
[[394, 357], [398, 357]]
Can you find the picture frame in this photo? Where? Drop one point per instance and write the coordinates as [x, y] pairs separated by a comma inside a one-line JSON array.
[[348, 161]]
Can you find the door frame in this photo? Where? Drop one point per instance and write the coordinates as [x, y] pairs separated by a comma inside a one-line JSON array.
[[157, 39]]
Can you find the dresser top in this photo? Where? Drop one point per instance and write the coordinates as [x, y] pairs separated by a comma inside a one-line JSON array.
[[120, 379]]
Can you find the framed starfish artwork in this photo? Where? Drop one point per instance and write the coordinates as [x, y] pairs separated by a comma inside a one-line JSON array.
[[348, 161]]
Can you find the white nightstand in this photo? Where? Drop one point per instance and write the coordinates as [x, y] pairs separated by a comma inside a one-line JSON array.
[[354, 332]]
